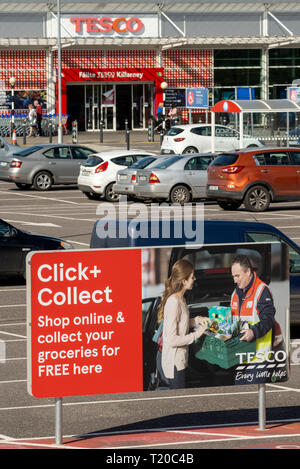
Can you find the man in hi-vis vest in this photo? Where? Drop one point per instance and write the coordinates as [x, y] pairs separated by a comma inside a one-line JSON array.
[[252, 301]]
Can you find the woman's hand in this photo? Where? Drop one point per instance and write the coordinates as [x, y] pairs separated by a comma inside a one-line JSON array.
[[200, 330], [203, 321]]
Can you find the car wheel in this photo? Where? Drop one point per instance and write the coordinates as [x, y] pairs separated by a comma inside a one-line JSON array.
[[180, 195], [22, 186], [229, 205], [190, 150], [257, 199], [92, 195], [42, 181], [110, 194], [252, 146]]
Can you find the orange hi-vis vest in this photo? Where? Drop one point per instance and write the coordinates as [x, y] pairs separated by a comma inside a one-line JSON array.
[[248, 311]]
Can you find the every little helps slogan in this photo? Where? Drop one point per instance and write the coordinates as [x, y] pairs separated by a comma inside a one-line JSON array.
[[84, 323]]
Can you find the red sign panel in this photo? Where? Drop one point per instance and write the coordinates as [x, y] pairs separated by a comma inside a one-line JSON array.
[[113, 74], [84, 325]]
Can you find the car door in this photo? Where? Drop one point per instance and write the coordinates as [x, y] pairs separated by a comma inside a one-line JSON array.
[[80, 155], [60, 162], [274, 167], [10, 250], [225, 139], [196, 174], [295, 167]]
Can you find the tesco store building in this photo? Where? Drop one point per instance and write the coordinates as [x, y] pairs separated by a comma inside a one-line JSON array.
[[115, 56]]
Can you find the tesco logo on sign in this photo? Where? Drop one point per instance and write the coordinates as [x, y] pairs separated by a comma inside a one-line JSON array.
[[107, 25]]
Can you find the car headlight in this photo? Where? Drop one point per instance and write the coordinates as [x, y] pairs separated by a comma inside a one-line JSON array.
[[66, 245]]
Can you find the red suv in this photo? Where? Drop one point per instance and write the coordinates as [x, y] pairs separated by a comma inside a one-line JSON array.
[[254, 177]]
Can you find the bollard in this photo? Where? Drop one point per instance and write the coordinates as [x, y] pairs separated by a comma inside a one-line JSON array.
[[50, 130], [161, 136], [127, 134], [74, 132], [101, 131], [150, 130], [24, 133]]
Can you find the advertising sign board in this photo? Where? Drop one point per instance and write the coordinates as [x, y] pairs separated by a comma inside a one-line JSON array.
[[93, 320], [294, 94], [175, 96], [197, 98]]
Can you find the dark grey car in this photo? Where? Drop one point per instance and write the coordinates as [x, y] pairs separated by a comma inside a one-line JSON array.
[[43, 165]]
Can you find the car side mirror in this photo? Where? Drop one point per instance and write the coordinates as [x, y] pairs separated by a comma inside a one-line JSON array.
[[1, 144]]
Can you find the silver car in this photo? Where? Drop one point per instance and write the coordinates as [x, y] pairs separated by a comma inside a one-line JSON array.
[[43, 165], [126, 178], [178, 179]]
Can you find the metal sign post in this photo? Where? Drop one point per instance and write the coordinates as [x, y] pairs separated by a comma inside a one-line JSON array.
[[58, 420], [262, 406]]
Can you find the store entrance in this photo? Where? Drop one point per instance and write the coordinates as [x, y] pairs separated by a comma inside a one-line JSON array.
[[112, 104]]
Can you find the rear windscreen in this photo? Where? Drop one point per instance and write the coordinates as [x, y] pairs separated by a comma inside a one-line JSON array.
[[174, 131], [28, 151], [167, 163], [92, 161], [141, 164], [225, 159]]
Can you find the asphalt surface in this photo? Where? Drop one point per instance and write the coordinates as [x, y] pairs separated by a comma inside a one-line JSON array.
[[215, 418]]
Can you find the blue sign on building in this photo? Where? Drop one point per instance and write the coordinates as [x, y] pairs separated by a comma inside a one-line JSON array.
[[197, 97]]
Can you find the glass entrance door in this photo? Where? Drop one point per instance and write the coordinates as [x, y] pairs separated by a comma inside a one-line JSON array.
[[142, 105], [99, 104]]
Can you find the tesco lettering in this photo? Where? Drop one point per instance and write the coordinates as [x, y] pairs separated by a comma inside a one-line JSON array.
[[107, 25]]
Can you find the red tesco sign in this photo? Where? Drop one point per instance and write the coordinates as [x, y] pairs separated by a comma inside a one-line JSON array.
[[84, 325], [106, 25]]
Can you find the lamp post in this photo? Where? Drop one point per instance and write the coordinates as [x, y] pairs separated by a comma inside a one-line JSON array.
[[164, 86], [12, 82], [59, 130]]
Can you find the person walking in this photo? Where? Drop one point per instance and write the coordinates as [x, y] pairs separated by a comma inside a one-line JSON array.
[[39, 114], [32, 121], [176, 336]]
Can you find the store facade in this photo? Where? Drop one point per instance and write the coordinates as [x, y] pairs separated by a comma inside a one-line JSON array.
[[114, 57]]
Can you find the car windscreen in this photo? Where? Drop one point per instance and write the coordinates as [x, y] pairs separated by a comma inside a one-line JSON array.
[[165, 164], [141, 164], [174, 131], [225, 159], [28, 151], [92, 161]]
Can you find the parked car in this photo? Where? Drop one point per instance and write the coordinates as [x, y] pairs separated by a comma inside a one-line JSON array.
[[99, 172], [126, 178], [215, 232], [178, 179], [255, 178], [15, 245], [196, 138], [44, 165]]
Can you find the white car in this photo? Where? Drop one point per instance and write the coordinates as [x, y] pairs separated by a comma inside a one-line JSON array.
[[98, 173], [196, 138]]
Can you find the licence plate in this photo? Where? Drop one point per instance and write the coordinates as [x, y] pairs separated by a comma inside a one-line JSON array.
[[213, 188], [85, 172], [3, 163], [123, 176], [143, 178]]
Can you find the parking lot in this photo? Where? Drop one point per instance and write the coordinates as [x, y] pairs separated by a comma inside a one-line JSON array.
[[204, 418]]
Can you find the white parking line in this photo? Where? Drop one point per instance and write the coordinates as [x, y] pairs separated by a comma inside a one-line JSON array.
[[14, 335], [40, 197]]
